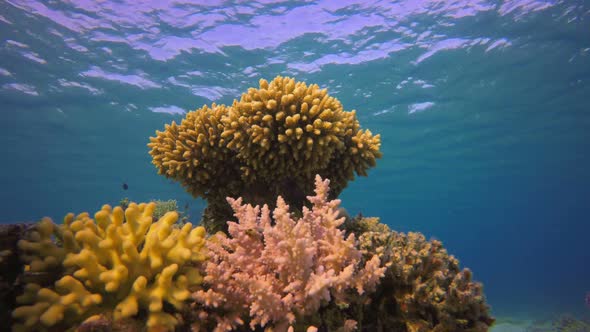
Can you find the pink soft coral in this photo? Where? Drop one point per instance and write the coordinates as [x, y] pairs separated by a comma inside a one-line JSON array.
[[273, 271]]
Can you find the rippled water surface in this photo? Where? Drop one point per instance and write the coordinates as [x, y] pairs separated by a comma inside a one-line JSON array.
[[482, 106]]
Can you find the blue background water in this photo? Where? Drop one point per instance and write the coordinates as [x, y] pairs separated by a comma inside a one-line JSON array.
[[482, 106]]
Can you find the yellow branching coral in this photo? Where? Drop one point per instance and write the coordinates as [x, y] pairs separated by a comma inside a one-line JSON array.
[[120, 262], [40, 251], [272, 141]]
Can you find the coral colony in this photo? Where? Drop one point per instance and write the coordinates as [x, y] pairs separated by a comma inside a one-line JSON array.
[[278, 258]]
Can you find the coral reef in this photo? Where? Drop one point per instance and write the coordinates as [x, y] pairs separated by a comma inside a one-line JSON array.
[[271, 142], [277, 273], [313, 270], [289, 262], [119, 264], [423, 288]]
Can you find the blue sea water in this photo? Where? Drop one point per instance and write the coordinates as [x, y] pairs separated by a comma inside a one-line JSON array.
[[482, 106]]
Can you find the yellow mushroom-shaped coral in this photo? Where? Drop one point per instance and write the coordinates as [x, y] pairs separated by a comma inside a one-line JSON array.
[[280, 133]]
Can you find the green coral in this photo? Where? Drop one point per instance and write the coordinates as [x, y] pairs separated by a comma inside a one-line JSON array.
[[423, 289], [162, 207]]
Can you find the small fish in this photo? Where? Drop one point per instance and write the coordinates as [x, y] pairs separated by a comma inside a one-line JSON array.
[[125, 186], [587, 299]]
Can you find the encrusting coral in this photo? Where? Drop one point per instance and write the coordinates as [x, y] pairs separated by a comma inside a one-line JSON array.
[[271, 142], [423, 288], [276, 272], [120, 264]]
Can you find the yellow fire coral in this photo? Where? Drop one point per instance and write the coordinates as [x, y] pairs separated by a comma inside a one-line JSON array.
[[272, 141], [121, 263]]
